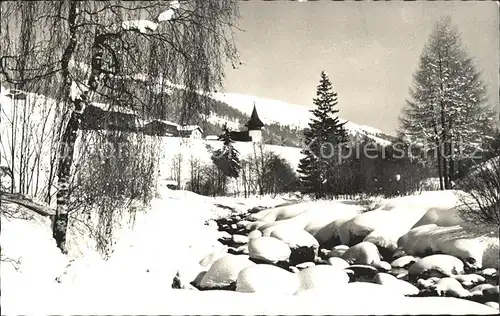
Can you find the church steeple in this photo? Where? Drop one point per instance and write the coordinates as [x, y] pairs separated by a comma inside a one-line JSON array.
[[254, 123]]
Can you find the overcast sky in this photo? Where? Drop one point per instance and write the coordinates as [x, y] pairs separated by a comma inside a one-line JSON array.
[[369, 49]]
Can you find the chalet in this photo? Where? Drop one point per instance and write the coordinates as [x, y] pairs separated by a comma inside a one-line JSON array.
[[253, 132], [190, 131], [96, 118], [161, 128]]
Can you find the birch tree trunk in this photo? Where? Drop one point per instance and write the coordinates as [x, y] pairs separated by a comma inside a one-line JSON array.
[[67, 146]]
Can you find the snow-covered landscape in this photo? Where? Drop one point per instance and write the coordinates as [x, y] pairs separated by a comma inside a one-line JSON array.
[[178, 240], [156, 160]]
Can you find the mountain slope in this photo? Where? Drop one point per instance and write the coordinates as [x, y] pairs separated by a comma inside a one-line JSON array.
[[295, 117]]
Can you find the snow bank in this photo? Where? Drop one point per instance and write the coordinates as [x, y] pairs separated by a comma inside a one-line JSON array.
[[479, 250], [351, 300], [30, 256], [396, 216], [313, 217]]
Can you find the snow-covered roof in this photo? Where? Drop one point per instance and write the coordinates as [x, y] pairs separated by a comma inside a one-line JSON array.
[[165, 122], [212, 137], [113, 108], [189, 128]]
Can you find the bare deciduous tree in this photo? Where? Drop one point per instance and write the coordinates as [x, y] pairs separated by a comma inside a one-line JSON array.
[[96, 50]]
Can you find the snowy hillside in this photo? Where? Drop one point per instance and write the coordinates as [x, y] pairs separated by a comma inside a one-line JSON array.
[[174, 148], [293, 115]]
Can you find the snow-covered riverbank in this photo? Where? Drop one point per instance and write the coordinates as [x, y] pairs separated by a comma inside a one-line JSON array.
[[177, 233]]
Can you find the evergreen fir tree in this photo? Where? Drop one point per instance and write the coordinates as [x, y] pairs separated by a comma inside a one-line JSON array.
[[227, 158], [322, 139]]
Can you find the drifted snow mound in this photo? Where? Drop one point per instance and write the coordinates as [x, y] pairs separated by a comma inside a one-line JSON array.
[[381, 227], [423, 202], [315, 219], [362, 253], [472, 247], [440, 217], [323, 277], [397, 216], [269, 279], [268, 249], [225, 271], [280, 212], [331, 232], [323, 222], [444, 264], [30, 256]]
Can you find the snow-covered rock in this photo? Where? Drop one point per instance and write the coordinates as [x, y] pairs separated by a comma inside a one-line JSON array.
[[212, 257], [267, 279], [303, 246], [362, 253], [323, 224], [428, 284], [322, 277], [254, 234], [242, 223], [383, 266], [243, 249], [451, 287], [338, 251], [225, 235], [337, 262], [403, 262], [442, 264], [268, 249], [478, 289], [492, 293], [295, 238], [281, 212], [305, 265], [441, 217], [389, 280], [225, 271], [491, 272], [380, 227], [362, 272], [240, 239], [469, 279]]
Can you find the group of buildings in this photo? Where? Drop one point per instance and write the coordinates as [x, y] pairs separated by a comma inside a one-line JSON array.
[[97, 118]]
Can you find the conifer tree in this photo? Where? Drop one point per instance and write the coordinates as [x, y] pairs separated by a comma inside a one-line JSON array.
[[227, 158], [446, 110], [322, 139]]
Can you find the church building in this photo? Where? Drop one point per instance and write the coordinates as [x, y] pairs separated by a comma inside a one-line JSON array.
[[253, 132]]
